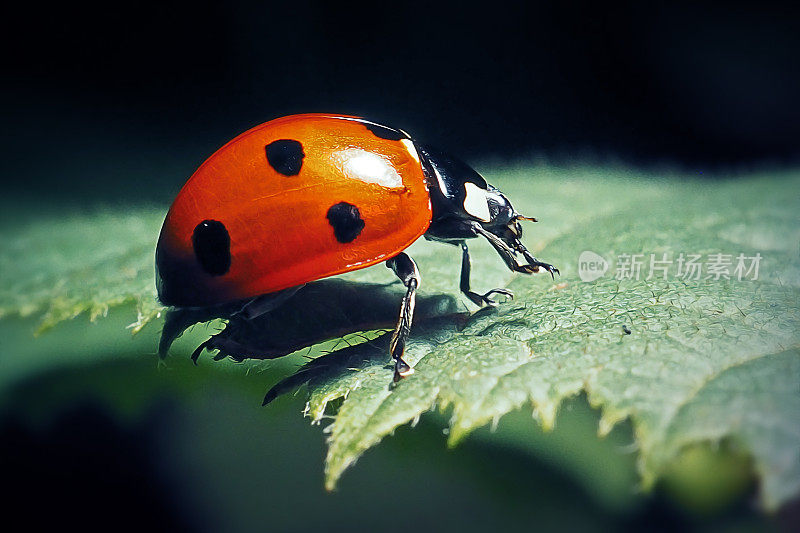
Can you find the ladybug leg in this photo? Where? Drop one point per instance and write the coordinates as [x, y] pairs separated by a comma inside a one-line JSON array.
[[509, 254], [477, 299], [406, 269]]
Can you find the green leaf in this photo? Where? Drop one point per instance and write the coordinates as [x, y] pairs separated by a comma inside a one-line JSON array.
[[706, 359], [61, 265]]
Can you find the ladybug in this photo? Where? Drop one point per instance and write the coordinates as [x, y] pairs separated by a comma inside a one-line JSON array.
[[308, 196]]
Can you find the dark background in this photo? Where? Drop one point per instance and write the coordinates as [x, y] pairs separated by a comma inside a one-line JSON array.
[[130, 98]]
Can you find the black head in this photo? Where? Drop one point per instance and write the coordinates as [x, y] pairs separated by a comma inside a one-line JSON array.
[[461, 197]]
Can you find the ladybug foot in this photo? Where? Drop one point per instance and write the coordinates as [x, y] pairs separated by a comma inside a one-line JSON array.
[[401, 369], [485, 299], [535, 266], [550, 268]]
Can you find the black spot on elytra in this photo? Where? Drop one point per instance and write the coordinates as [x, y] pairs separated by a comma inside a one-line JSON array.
[[212, 247], [385, 132], [346, 221], [285, 156]]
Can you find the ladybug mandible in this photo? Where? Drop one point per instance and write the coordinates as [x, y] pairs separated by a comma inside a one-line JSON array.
[[309, 196]]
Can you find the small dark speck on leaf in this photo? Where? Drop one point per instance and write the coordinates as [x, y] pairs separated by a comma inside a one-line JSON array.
[[626, 330]]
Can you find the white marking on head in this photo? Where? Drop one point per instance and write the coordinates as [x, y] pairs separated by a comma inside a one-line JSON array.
[[475, 202]]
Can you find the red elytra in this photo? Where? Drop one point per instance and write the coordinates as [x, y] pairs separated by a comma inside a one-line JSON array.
[[267, 200]]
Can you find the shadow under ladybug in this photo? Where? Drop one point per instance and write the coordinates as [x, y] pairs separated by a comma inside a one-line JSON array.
[[338, 307]]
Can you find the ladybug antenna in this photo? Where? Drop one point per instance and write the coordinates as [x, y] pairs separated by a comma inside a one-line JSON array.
[[523, 217]]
